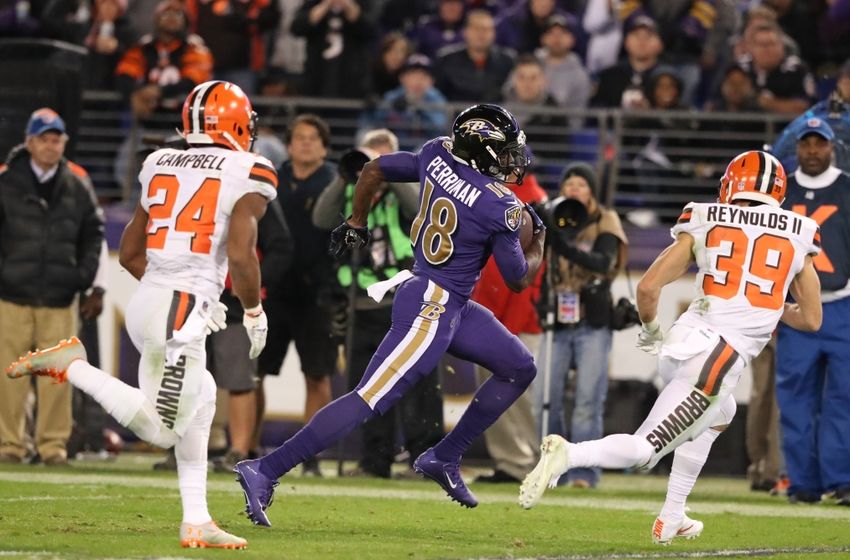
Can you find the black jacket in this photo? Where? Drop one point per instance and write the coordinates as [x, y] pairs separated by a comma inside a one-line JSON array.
[[459, 79], [49, 250]]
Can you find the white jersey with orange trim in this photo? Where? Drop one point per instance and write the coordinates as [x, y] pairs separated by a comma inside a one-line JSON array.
[[747, 258], [189, 196]]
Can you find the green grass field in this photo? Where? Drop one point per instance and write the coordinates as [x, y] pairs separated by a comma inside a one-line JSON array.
[[125, 510]]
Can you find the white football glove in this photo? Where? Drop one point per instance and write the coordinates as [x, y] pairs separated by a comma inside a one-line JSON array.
[[216, 318], [257, 324], [650, 337]]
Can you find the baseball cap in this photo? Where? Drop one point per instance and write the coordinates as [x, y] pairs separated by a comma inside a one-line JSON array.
[[45, 120], [642, 21], [417, 62], [564, 21], [817, 126]]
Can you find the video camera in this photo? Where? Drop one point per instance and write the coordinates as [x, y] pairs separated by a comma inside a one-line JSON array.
[[567, 215], [351, 164]]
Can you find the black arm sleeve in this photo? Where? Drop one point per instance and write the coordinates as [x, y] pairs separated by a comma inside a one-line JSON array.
[[600, 259]]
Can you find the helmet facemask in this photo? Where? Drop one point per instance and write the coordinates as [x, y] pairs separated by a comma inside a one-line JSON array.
[[510, 163]]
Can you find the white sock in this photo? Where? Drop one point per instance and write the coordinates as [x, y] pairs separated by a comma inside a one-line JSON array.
[[617, 451], [128, 405], [116, 397], [688, 460], [191, 454]]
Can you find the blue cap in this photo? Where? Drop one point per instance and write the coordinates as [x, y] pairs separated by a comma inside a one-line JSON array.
[[817, 126], [45, 120]]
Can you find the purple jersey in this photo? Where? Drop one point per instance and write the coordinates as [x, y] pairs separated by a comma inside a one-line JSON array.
[[463, 218]]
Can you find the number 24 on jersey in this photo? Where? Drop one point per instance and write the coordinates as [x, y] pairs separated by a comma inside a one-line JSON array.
[[196, 218]]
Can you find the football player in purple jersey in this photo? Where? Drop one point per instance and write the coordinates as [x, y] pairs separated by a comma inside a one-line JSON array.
[[466, 214]]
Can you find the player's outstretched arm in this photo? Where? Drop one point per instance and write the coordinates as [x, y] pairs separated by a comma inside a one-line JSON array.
[[668, 266], [807, 313], [242, 248], [131, 251]]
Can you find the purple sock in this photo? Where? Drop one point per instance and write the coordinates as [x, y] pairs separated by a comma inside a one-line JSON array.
[[494, 397], [325, 427]]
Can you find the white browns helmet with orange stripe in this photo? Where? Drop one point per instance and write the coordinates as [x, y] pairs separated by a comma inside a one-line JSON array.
[[755, 176], [219, 113]]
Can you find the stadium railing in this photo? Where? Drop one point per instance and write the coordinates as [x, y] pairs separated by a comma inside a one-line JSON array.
[[653, 161]]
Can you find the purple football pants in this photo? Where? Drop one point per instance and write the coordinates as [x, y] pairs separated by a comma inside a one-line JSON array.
[[427, 322]]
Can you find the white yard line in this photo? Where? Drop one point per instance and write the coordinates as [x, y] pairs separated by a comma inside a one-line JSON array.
[[291, 487], [755, 552]]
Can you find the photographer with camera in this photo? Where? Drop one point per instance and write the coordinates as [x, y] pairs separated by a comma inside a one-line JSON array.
[[587, 251], [388, 251]]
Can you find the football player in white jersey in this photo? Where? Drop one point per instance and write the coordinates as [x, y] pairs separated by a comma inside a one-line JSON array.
[[198, 214], [750, 253]]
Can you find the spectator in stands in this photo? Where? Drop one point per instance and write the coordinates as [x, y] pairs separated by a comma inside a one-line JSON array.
[[52, 231], [477, 69], [835, 111], [754, 17], [601, 21], [527, 97], [415, 110], [799, 21], [622, 85], [388, 252], [19, 19], [737, 93], [233, 31], [684, 27], [663, 89], [139, 13], [813, 368], [520, 27], [287, 52], [393, 53], [512, 440], [298, 307], [161, 69], [783, 83], [228, 348], [339, 34], [102, 28], [566, 79], [588, 259], [432, 33]]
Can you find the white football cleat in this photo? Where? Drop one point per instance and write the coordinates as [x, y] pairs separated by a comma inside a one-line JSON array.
[[663, 532], [550, 467], [209, 535]]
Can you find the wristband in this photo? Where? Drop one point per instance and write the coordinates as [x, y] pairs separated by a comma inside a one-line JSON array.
[[651, 326], [254, 311]]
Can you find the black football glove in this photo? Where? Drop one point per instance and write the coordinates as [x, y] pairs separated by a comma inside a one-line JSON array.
[[536, 222], [346, 237]]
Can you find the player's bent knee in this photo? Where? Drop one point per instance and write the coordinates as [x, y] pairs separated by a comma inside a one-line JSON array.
[[727, 412], [525, 373], [166, 439]]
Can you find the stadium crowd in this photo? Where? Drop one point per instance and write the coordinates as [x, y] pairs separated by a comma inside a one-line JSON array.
[[759, 55], [409, 58]]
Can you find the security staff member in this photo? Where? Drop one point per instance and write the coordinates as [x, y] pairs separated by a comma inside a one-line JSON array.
[[813, 369]]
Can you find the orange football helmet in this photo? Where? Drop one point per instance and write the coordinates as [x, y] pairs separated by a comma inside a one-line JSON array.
[[756, 176], [219, 113]]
